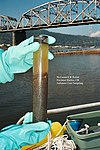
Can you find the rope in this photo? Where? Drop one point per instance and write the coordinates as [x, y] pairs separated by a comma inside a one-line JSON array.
[[20, 121], [58, 142], [62, 143]]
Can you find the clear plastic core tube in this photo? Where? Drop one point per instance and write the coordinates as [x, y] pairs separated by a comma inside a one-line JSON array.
[[40, 80]]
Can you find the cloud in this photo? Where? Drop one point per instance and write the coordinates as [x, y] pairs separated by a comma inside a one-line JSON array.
[[95, 34]]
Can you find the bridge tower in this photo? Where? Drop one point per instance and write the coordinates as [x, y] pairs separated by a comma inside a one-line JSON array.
[[18, 36]]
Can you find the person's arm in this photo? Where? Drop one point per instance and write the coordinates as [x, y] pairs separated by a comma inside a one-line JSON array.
[[19, 59]]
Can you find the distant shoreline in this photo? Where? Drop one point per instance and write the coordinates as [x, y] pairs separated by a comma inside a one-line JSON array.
[[78, 52]]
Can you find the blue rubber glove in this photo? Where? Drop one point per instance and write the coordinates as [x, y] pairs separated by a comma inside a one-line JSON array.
[[28, 118], [19, 59], [16, 136], [1, 51]]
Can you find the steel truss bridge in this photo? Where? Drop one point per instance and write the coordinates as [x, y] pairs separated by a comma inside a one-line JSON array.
[[57, 13]]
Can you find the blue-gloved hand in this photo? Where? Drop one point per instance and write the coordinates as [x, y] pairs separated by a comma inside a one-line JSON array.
[[15, 136], [18, 59]]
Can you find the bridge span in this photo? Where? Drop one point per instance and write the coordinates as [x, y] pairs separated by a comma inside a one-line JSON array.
[[59, 13]]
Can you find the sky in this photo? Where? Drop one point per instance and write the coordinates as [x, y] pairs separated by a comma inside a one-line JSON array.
[[15, 8]]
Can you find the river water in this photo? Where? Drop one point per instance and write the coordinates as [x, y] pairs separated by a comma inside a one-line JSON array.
[[73, 79]]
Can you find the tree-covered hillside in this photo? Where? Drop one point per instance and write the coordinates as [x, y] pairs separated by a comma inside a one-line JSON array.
[[61, 39]]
